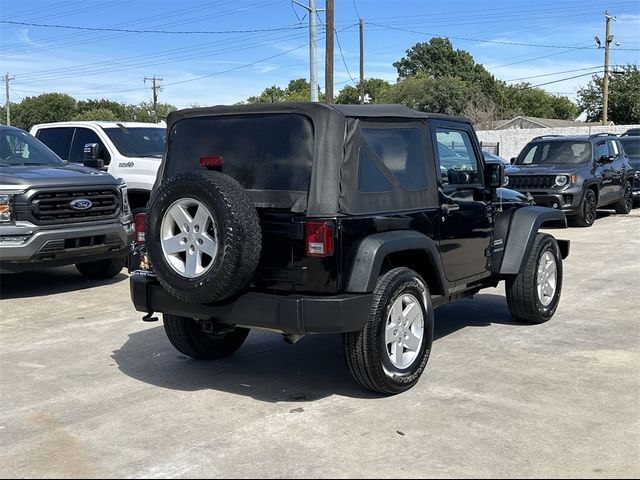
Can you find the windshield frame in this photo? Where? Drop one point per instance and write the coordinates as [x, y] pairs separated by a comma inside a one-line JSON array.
[[117, 136], [588, 155], [34, 145]]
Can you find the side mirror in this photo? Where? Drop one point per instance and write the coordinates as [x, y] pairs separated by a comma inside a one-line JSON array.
[[605, 159], [91, 156], [493, 175], [513, 160]]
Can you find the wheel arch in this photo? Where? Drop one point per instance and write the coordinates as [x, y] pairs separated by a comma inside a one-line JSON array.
[[398, 248], [138, 198], [523, 227]]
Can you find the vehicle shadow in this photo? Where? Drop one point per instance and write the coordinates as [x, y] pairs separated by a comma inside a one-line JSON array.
[[48, 281], [268, 370]]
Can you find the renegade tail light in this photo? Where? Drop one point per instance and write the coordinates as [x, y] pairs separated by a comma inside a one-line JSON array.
[[318, 239], [212, 161], [140, 222]]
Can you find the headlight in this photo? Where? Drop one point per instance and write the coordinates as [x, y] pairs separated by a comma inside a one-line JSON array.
[[561, 180], [125, 197], [5, 208]]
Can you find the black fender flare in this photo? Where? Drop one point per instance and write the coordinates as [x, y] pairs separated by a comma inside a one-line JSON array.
[[366, 261], [523, 227]]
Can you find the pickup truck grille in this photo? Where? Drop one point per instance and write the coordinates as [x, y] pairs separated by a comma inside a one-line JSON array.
[[532, 182], [54, 206]]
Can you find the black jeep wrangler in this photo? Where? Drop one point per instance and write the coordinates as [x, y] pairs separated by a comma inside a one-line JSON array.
[[308, 218], [576, 174]]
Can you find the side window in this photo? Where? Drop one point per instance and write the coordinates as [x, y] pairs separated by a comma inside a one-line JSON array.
[[602, 149], [80, 139], [370, 178], [400, 151], [57, 139], [613, 148], [458, 164]]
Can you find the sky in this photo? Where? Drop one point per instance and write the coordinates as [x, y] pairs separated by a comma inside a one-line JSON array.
[[210, 52]]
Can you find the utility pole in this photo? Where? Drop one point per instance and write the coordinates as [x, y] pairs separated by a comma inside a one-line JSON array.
[[605, 81], [361, 24], [156, 88], [328, 62], [313, 47], [7, 79]]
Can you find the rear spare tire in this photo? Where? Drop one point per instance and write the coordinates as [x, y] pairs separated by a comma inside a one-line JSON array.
[[203, 236]]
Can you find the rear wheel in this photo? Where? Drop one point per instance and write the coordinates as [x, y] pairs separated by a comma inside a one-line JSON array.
[[625, 204], [102, 269], [390, 353], [587, 211], [533, 294], [189, 337]]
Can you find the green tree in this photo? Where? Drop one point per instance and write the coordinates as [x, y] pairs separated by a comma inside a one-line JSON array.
[[118, 109], [376, 88], [48, 107], [143, 112], [522, 99], [445, 95], [624, 97], [96, 114], [270, 94], [297, 90]]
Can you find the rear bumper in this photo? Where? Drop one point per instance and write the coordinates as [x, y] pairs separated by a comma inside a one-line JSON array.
[[290, 314]]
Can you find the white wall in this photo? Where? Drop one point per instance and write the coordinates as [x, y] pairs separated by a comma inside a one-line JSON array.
[[512, 141]]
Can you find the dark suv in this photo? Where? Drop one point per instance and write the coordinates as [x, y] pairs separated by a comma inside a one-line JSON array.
[[631, 144], [360, 220], [576, 174]]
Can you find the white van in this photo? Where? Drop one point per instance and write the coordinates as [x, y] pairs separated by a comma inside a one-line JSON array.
[[130, 150]]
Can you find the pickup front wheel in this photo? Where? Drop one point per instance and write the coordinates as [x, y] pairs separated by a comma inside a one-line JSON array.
[[533, 295], [192, 338], [390, 353], [102, 269]]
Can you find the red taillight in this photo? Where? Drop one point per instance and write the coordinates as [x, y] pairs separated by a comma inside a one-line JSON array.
[[318, 239], [212, 161], [140, 221]]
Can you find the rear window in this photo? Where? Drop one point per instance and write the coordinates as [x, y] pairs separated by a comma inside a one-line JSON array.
[[262, 152]]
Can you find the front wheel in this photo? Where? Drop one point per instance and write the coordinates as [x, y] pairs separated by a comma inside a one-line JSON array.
[[625, 204], [533, 294], [189, 337], [587, 211], [102, 269], [390, 353]]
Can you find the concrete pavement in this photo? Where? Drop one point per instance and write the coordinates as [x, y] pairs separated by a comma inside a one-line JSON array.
[[88, 390]]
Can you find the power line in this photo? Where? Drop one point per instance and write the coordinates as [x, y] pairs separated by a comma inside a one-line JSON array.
[[128, 30], [343, 60], [356, 9], [597, 67], [561, 80]]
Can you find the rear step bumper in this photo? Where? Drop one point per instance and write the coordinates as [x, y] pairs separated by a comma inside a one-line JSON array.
[[289, 314]]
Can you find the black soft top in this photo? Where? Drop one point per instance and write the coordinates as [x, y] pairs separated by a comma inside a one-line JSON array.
[[335, 150], [313, 110]]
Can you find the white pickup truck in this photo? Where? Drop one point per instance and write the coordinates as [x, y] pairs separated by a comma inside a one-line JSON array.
[[130, 150]]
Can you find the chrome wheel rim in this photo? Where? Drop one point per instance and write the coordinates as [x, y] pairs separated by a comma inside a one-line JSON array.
[[188, 238], [547, 278], [404, 333]]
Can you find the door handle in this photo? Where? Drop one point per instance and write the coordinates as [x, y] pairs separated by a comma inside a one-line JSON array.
[[447, 208]]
